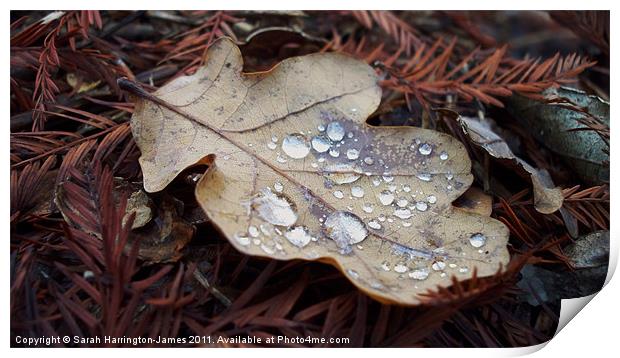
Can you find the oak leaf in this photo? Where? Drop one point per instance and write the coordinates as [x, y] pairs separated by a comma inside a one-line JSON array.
[[296, 173]]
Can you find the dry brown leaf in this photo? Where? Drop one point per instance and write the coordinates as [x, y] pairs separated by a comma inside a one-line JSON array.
[[547, 197], [296, 173]]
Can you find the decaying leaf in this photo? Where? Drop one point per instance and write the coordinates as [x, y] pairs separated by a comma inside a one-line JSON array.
[[547, 198], [572, 124], [164, 237], [296, 173]]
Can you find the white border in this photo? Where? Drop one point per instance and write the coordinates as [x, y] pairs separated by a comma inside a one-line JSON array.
[[590, 332]]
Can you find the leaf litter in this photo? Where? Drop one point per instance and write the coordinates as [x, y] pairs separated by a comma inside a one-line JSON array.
[[296, 173]]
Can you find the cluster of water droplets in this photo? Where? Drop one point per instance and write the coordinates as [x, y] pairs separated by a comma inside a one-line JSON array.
[[343, 162]]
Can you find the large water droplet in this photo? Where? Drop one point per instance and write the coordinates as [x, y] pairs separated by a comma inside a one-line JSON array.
[[386, 197], [357, 191], [425, 149], [321, 144], [345, 228], [296, 146], [477, 240], [335, 131], [274, 209], [298, 236], [353, 154]]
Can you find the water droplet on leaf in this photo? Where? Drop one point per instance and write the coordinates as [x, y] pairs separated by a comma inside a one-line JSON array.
[[386, 197], [295, 146], [298, 236], [274, 209], [477, 240], [335, 131], [345, 228]]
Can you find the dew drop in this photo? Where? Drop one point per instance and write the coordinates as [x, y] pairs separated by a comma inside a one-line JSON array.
[[419, 274], [438, 265], [374, 224], [385, 266], [357, 191], [402, 202], [295, 146], [406, 188], [400, 268], [334, 153], [272, 145], [477, 240], [268, 250], [463, 270], [425, 149], [368, 208], [342, 174], [443, 156], [298, 236], [345, 228], [338, 194], [424, 176], [369, 160], [335, 131], [432, 199], [376, 181], [280, 158], [449, 175], [402, 213], [387, 178], [278, 186], [242, 240], [321, 128], [353, 154], [386, 197], [320, 143], [253, 231], [353, 273], [274, 209], [421, 206]]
